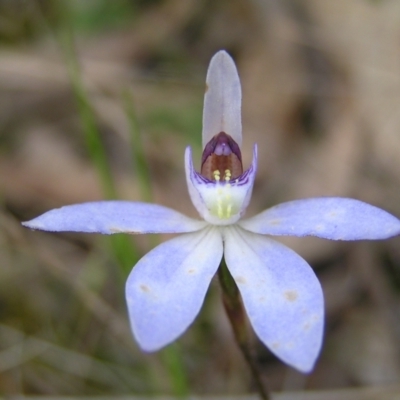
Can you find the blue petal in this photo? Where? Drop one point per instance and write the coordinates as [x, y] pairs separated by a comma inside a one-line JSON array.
[[109, 217], [281, 294], [166, 289], [333, 218], [222, 100]]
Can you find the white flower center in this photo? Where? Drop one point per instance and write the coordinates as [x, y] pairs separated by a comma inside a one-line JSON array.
[[223, 200]]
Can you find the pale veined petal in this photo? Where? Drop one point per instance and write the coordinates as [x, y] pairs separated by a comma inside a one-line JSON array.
[[222, 100], [109, 217], [166, 288], [333, 218], [281, 295], [220, 203]]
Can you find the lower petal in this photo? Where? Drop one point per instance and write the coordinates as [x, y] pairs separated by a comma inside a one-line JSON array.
[[281, 294], [166, 288]]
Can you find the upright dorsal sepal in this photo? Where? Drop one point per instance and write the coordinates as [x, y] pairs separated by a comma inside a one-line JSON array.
[[222, 100]]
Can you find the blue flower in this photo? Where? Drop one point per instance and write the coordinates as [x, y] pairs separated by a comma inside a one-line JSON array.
[[280, 291]]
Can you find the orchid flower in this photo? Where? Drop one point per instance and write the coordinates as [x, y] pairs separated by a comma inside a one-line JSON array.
[[280, 292]]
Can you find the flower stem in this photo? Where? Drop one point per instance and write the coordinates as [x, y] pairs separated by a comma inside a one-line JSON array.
[[234, 308]]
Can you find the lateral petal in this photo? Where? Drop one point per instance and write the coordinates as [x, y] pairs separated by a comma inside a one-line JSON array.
[[335, 218], [110, 217], [281, 295], [222, 100], [166, 288]]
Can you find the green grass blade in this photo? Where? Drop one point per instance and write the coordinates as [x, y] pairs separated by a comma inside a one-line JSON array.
[[170, 356], [172, 360], [123, 248], [138, 155]]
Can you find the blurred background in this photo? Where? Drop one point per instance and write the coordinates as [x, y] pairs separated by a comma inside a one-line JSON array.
[[98, 99]]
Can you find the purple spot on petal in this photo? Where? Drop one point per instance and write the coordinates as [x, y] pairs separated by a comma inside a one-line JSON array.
[[240, 280], [275, 222], [291, 295], [275, 345], [144, 288]]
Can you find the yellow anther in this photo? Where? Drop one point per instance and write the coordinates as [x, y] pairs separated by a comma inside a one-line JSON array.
[[217, 175], [227, 175]]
